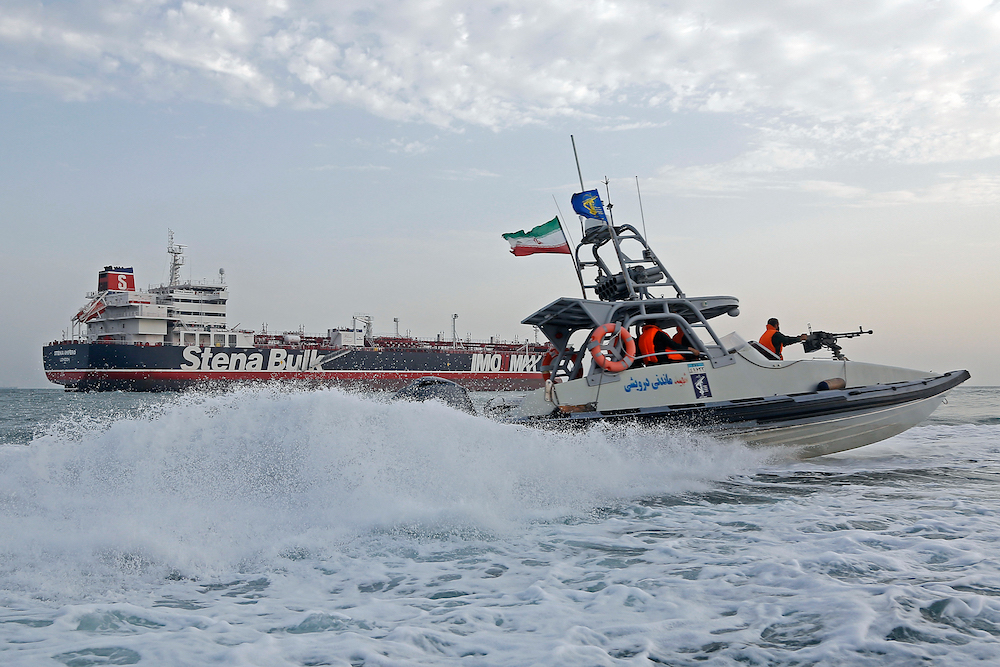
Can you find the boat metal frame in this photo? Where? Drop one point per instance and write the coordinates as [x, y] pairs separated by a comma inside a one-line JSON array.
[[564, 317]]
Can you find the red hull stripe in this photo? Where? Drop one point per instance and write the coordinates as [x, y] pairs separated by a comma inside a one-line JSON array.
[[167, 379], [167, 374]]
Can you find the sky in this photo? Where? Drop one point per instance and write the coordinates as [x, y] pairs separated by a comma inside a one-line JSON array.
[[832, 164]]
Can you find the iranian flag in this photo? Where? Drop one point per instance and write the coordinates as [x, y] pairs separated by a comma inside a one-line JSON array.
[[543, 238]]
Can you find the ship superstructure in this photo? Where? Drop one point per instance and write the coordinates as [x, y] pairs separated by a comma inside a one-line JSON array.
[[178, 313]]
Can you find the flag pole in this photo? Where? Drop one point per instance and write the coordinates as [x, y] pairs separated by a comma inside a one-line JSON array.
[[582, 188], [572, 255]]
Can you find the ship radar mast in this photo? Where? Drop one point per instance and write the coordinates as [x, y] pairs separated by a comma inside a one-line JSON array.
[[176, 252]]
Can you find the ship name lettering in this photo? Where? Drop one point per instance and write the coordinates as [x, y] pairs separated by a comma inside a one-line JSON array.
[[486, 363], [197, 358], [64, 353], [276, 359], [238, 361], [191, 358], [524, 363], [289, 360]]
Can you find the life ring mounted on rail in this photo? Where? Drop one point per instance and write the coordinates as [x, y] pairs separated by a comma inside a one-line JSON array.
[[601, 352]]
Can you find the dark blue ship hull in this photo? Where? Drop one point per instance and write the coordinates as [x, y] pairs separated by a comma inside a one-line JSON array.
[[119, 367]]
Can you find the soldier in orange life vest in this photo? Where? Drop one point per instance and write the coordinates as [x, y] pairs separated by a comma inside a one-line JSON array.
[[654, 341], [682, 341], [774, 340], [645, 344]]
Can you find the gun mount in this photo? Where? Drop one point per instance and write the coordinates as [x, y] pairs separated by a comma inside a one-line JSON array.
[[820, 339]]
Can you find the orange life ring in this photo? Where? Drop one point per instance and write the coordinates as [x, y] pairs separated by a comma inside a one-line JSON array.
[[550, 356], [596, 347]]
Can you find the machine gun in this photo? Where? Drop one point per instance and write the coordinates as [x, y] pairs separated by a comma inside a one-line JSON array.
[[818, 339]]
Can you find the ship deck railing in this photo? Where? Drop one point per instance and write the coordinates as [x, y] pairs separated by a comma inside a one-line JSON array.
[[410, 344]]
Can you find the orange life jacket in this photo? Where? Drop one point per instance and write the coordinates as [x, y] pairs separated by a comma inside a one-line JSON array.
[[766, 341], [673, 357], [647, 346], [646, 343]]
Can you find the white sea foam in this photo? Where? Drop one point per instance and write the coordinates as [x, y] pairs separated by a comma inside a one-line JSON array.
[[205, 486], [293, 528]]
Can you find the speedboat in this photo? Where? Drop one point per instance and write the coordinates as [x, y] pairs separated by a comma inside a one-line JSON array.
[[723, 385]]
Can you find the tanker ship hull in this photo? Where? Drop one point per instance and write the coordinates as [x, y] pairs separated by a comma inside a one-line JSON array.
[[129, 367]]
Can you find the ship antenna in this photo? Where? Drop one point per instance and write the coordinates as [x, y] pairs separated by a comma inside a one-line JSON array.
[[177, 258], [607, 189], [641, 214]]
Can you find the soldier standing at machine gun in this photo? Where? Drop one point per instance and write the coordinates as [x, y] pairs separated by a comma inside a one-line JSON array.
[[774, 340]]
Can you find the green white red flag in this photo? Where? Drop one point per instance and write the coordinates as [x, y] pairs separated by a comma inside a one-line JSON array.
[[543, 238]]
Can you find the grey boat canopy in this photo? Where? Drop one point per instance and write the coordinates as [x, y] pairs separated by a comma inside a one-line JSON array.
[[576, 314]]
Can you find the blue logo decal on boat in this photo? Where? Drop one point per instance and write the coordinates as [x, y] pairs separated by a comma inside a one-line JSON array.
[[701, 387]]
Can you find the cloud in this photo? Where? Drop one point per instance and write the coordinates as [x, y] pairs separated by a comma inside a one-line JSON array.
[[850, 80], [625, 126], [834, 189], [470, 174], [357, 167], [971, 190], [407, 147], [744, 177]]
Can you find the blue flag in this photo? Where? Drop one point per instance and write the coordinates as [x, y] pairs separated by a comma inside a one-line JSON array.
[[588, 204]]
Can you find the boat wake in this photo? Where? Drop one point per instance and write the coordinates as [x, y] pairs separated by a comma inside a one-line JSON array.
[[212, 482], [327, 528]]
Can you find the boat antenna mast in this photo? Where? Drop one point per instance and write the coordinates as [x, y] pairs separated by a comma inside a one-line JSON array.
[[637, 275], [176, 252], [641, 213], [607, 191]]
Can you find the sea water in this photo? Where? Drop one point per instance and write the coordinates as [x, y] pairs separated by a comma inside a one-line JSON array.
[[274, 527]]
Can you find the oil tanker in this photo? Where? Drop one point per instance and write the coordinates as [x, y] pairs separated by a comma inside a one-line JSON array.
[[174, 336]]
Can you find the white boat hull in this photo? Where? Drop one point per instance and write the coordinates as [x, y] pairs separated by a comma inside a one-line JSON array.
[[764, 403], [818, 436]]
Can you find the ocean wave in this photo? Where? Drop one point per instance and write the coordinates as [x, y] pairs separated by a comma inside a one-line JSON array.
[[216, 480], [284, 527]]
